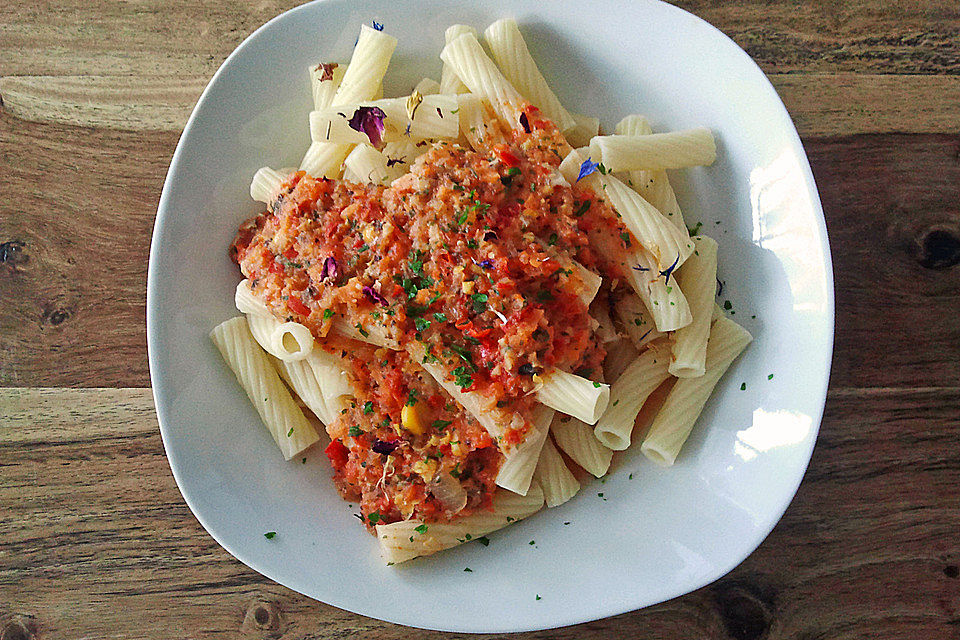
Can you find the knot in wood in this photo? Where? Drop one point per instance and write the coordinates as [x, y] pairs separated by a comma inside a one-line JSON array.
[[56, 316], [19, 628], [938, 248], [261, 615], [12, 253], [745, 606]]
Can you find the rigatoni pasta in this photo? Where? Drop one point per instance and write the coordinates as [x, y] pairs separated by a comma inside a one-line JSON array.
[[458, 289]]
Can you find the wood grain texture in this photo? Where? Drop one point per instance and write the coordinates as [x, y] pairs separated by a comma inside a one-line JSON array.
[[891, 204], [76, 215], [95, 530], [111, 37], [820, 104], [160, 103], [96, 539]]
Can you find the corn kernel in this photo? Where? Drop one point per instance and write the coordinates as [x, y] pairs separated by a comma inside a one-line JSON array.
[[410, 418]]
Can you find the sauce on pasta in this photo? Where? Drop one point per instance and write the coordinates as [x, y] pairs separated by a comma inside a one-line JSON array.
[[469, 258]]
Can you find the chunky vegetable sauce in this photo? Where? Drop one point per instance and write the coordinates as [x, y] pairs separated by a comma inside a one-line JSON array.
[[467, 258]]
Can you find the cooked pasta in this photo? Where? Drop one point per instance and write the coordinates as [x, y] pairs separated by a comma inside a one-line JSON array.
[[457, 288], [279, 413]]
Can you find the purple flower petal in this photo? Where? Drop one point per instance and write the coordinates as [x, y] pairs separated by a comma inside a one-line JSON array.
[[329, 269], [369, 120], [486, 263], [385, 447], [374, 296], [586, 169], [378, 25], [524, 123]]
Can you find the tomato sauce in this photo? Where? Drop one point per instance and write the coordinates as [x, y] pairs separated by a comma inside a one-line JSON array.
[[471, 255]]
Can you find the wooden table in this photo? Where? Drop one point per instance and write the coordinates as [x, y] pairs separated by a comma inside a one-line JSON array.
[[95, 539]]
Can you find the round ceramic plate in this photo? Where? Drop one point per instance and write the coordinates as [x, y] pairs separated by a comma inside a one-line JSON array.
[[646, 534]]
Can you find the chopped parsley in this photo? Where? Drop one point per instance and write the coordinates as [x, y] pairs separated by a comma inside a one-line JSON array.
[[770, 377], [440, 425], [463, 352], [552, 240], [479, 302], [374, 518], [422, 324], [355, 431], [581, 209], [415, 261], [290, 433], [462, 377], [327, 314], [440, 317], [420, 528], [468, 569], [412, 397], [484, 540], [368, 407], [270, 535]]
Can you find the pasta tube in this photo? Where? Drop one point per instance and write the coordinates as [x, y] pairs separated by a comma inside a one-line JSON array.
[[408, 539], [577, 440], [516, 472], [288, 341], [698, 277], [553, 476], [449, 80], [482, 77], [324, 81], [654, 186], [265, 185], [573, 395], [673, 150], [627, 396], [278, 411], [674, 422], [510, 52]]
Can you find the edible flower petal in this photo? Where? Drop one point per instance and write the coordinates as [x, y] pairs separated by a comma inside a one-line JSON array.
[[327, 68], [369, 120], [413, 103], [329, 269], [374, 296], [378, 25], [386, 447], [666, 272], [586, 168], [524, 123], [486, 263]]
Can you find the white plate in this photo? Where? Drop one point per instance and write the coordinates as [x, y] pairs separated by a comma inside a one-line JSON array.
[[650, 538]]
